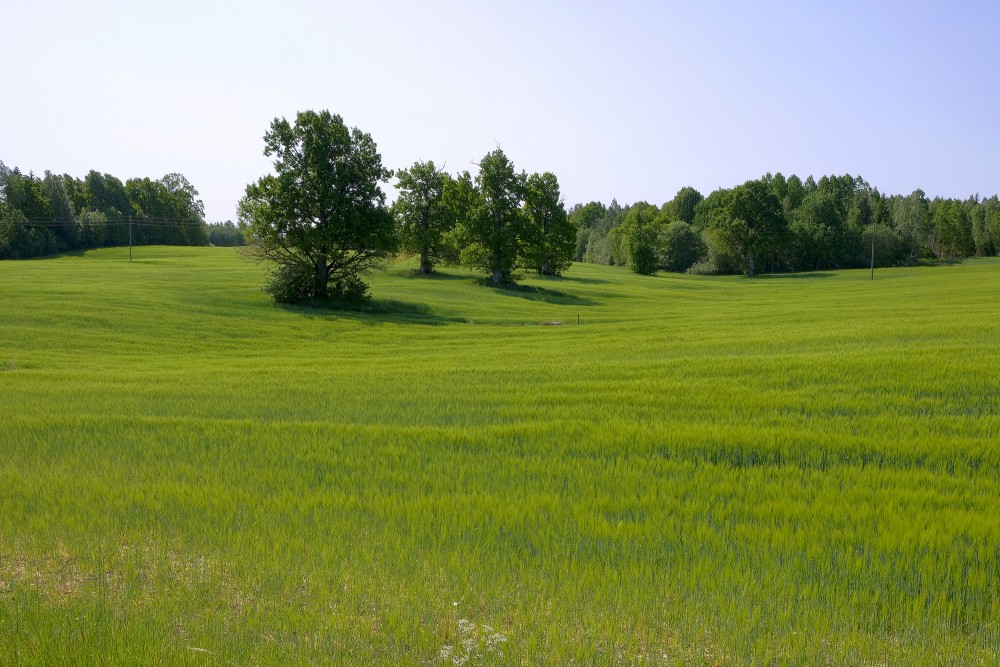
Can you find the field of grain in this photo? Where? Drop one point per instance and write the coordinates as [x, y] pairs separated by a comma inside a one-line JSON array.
[[684, 470]]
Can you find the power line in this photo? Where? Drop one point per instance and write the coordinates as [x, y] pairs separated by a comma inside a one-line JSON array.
[[143, 222]]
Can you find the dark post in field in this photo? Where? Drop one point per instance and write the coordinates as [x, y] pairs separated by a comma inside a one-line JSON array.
[[873, 250]]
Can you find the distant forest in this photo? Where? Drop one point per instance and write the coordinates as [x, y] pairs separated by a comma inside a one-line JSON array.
[[776, 224], [58, 213], [771, 224]]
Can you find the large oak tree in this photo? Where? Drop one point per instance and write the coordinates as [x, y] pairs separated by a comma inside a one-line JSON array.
[[321, 218]]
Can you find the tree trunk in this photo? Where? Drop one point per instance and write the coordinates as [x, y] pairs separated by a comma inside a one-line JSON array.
[[322, 278], [750, 264], [497, 277], [425, 264], [546, 269]]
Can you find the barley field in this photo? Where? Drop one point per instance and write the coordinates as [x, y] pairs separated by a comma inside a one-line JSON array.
[[598, 469]]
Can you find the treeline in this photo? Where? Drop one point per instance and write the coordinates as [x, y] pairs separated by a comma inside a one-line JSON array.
[[776, 224], [57, 213]]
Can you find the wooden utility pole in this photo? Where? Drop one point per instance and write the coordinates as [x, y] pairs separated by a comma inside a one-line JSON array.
[[873, 250], [130, 238]]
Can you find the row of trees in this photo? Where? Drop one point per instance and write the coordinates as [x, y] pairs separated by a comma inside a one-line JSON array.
[[779, 224], [498, 222], [321, 218], [56, 213]]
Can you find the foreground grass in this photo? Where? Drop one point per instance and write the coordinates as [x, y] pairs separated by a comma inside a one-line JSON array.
[[709, 471]]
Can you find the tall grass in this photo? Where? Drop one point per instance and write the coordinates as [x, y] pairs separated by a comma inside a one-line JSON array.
[[711, 471]]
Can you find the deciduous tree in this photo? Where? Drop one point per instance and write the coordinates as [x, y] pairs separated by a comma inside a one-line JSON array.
[[550, 238], [496, 225], [422, 213], [321, 218]]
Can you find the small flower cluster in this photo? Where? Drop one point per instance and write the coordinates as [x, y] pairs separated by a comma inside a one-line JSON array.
[[474, 643]]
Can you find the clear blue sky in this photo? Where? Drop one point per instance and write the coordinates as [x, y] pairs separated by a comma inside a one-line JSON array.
[[632, 100]]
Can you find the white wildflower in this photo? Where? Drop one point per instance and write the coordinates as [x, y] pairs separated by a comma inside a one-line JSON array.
[[474, 644]]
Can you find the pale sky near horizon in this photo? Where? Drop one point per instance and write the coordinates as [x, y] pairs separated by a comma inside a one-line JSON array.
[[629, 100]]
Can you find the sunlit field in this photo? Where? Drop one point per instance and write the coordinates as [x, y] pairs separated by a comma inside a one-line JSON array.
[[596, 469]]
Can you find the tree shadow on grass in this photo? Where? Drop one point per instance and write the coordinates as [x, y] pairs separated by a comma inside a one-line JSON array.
[[944, 261], [434, 275], [573, 279], [535, 293], [794, 276], [372, 311]]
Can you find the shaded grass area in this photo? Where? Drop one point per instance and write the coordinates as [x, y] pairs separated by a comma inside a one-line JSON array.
[[704, 471]]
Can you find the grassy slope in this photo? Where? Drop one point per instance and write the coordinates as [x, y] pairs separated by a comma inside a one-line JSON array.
[[704, 471]]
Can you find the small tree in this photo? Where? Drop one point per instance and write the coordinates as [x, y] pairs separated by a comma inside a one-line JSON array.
[[422, 214], [496, 224], [550, 238], [638, 241], [321, 219]]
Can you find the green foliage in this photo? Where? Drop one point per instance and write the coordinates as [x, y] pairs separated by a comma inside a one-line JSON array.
[[173, 214], [684, 204], [19, 239], [752, 226], [952, 229], [323, 211], [93, 226], [11, 229], [599, 249], [225, 234], [549, 241], [890, 248], [584, 217], [587, 215], [296, 283], [638, 241], [423, 214], [496, 226], [817, 226], [795, 192], [711, 211], [107, 194], [27, 194], [681, 247], [991, 223], [816, 232], [793, 470], [459, 199], [60, 213], [62, 210]]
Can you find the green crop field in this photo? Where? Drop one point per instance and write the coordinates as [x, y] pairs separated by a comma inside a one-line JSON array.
[[794, 470]]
